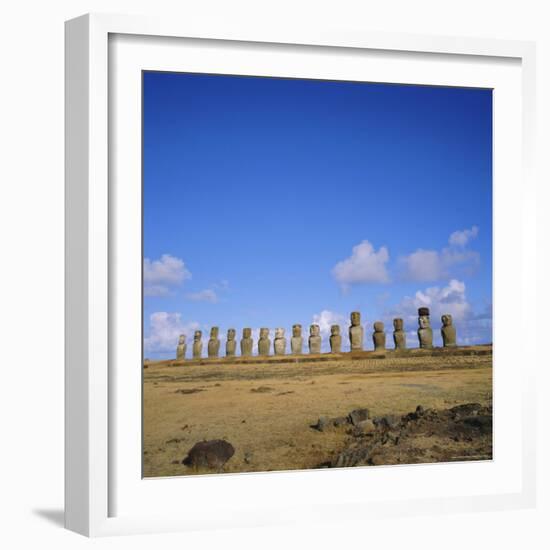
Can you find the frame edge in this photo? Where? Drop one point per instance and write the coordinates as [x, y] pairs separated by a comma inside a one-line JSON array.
[[77, 490]]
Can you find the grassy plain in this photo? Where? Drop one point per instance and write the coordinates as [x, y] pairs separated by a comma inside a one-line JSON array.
[[266, 409]]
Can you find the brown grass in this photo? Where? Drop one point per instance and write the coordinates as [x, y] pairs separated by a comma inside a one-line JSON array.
[[265, 410]]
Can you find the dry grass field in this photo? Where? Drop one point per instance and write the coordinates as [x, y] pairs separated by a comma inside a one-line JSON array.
[[266, 409]]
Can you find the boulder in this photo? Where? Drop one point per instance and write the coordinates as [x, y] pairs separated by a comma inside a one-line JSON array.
[[322, 424], [340, 421], [364, 427], [211, 454], [387, 422], [358, 415], [468, 409]]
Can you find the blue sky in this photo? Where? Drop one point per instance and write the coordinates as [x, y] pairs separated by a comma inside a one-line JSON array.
[[271, 201]]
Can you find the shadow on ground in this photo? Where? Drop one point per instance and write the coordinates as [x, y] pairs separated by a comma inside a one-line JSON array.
[[56, 517]]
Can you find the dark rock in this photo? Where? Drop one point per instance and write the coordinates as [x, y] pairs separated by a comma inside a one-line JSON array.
[[188, 391], [340, 421], [468, 409], [402, 440], [351, 457], [484, 423], [423, 311], [248, 457], [358, 415], [322, 424], [211, 454], [416, 415], [262, 389], [364, 427], [388, 422]]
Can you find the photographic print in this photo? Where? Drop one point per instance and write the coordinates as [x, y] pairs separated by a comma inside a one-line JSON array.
[[317, 274]]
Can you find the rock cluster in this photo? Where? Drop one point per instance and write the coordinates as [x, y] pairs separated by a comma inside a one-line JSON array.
[[463, 432]]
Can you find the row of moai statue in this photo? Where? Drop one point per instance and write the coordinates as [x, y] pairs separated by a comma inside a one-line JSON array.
[[356, 336]]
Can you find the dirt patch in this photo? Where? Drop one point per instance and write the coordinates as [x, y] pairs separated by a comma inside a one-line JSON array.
[[262, 389], [189, 391]]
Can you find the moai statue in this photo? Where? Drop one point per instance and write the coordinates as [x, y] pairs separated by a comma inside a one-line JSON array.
[[314, 339], [335, 339], [448, 331], [296, 342], [214, 342], [425, 333], [182, 348], [197, 344], [246, 342], [279, 343], [399, 336], [356, 332], [379, 336], [264, 343], [231, 343]]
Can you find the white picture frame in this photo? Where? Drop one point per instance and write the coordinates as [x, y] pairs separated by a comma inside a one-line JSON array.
[[103, 498]]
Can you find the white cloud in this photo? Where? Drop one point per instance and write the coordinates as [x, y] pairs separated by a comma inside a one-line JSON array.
[[448, 299], [461, 238], [159, 276], [472, 328], [163, 333], [206, 295], [423, 265], [433, 265], [365, 265], [325, 320]]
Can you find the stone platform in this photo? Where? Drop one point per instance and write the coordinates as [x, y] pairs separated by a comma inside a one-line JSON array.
[[324, 357]]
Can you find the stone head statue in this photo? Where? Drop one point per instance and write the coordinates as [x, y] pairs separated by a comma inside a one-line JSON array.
[[263, 342], [335, 339], [399, 336], [314, 339], [182, 347], [398, 324], [230, 344], [379, 336], [314, 330], [356, 332], [296, 342], [448, 331], [447, 320], [279, 344], [246, 342], [214, 331], [425, 334], [424, 321], [197, 344]]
